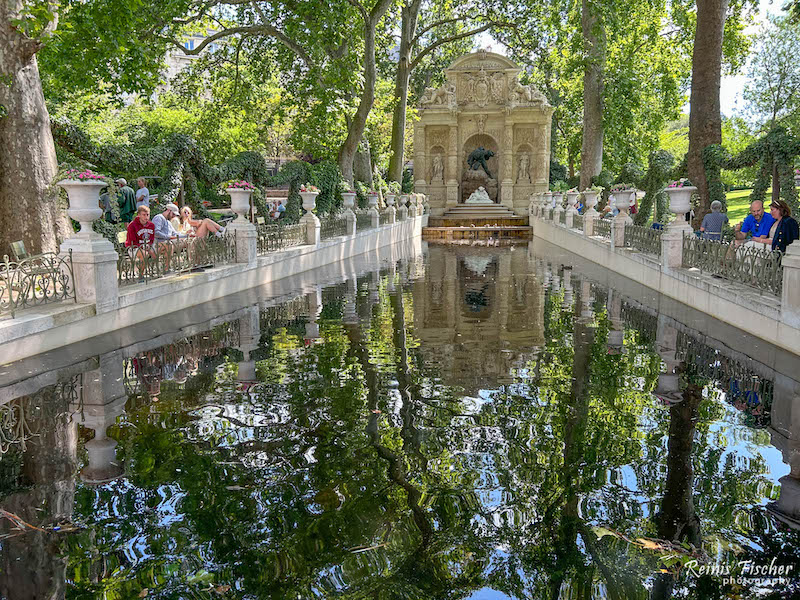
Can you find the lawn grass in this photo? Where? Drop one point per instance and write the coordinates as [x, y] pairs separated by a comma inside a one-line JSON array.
[[739, 204]]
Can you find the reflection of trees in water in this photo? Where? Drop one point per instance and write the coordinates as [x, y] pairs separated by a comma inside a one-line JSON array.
[[297, 485]]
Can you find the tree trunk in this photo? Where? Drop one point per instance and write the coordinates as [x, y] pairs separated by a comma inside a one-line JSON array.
[[359, 123], [408, 28], [362, 164], [705, 121], [594, 46]]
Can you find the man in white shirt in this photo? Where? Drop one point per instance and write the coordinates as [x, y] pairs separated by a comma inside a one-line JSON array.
[[142, 194]]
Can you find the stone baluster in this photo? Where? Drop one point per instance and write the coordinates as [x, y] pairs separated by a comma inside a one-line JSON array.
[[314, 300], [310, 220], [622, 202], [668, 388], [390, 211], [375, 217], [790, 294], [103, 399], [452, 167], [672, 238], [785, 434], [559, 208], [402, 212], [249, 338], [350, 216], [590, 214]]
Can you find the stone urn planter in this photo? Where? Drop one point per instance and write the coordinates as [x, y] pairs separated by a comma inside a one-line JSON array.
[[572, 202], [240, 202], [547, 201], [372, 200], [309, 201], [622, 200], [558, 198], [680, 199], [349, 200], [390, 199], [84, 202], [589, 201]]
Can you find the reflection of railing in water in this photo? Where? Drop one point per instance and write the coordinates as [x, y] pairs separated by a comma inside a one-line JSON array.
[[748, 390], [23, 419], [640, 320], [34, 281], [176, 361], [273, 316]]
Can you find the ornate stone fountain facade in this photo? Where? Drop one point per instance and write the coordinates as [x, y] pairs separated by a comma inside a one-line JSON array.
[[482, 105]]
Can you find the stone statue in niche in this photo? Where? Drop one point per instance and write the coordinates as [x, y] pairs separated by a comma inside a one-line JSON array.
[[477, 159], [523, 170], [438, 169]]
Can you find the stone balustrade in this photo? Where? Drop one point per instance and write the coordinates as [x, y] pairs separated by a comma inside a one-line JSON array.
[[743, 276]]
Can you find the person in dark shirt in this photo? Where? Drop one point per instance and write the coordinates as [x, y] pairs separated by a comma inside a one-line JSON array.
[[786, 229]]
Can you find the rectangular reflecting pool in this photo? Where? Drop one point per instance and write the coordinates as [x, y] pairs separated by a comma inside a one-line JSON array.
[[472, 422]]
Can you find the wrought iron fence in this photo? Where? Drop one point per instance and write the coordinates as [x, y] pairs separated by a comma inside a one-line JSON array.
[[333, 226], [385, 218], [577, 221], [142, 264], [602, 228], [643, 239], [274, 236], [34, 281], [550, 214], [363, 221], [760, 268], [562, 217]]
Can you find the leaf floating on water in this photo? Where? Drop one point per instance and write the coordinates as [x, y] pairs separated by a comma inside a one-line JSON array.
[[235, 488], [144, 593], [222, 589], [375, 411]]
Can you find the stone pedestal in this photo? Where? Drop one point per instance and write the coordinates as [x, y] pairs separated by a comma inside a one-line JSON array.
[[312, 225], [790, 296], [618, 230], [94, 270], [569, 219], [246, 240], [589, 222], [672, 249]]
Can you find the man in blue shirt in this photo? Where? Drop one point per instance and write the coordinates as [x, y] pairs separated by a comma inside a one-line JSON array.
[[757, 223]]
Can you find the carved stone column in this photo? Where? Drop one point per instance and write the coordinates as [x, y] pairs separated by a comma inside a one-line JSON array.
[[507, 184], [420, 159], [453, 167]]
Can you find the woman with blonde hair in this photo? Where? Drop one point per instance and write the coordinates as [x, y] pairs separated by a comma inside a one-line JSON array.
[[201, 227]]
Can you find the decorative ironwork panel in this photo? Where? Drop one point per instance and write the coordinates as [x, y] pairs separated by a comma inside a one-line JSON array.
[[756, 267], [142, 264], [333, 226], [274, 236], [34, 281], [384, 218], [577, 222], [643, 239], [562, 217], [602, 228], [363, 221]]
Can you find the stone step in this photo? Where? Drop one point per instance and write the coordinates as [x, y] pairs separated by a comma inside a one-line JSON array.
[[478, 221]]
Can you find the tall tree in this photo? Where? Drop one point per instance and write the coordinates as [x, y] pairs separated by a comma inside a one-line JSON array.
[[28, 210], [705, 119], [594, 48], [441, 25]]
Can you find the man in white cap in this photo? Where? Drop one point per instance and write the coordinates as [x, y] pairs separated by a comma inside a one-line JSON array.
[[126, 200], [164, 231]]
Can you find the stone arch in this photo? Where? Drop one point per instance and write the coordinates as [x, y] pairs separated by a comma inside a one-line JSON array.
[[471, 181]]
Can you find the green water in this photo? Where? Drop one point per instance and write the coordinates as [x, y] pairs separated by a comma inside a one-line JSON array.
[[480, 423]]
